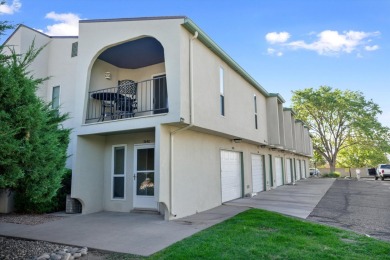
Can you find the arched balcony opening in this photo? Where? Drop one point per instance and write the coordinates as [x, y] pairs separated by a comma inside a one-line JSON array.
[[128, 80]]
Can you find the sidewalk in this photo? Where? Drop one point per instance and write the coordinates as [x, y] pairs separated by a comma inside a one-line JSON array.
[[143, 234], [297, 200]]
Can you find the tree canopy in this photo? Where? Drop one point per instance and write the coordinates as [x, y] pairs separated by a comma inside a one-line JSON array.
[[32, 142], [340, 122]]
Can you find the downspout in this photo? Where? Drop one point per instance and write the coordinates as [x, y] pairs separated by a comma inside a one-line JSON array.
[[191, 95]]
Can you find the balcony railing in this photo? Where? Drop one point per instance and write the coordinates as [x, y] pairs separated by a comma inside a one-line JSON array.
[[129, 99]]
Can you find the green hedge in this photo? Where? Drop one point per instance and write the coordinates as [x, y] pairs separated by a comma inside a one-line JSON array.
[[331, 175]]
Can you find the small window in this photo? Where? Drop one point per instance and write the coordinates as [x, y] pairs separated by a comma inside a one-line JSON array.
[[255, 107], [118, 172], [75, 47], [55, 98], [221, 91]]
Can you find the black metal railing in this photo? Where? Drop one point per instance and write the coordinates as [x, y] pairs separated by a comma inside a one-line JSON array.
[[129, 99]]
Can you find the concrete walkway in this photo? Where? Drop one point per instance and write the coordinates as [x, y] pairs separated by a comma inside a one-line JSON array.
[[297, 200], [144, 234]]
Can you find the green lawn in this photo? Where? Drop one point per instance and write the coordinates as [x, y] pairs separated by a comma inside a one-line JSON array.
[[259, 234]]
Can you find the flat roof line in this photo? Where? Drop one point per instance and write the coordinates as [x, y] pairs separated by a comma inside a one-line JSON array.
[[132, 19]]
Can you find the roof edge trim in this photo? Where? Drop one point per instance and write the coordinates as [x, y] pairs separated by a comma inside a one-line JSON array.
[[132, 19], [278, 96], [289, 109], [36, 31]]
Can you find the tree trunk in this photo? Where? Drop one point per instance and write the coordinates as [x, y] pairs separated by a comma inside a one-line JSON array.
[[332, 167]]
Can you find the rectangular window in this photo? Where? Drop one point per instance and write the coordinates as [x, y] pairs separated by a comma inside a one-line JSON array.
[[255, 107], [55, 98], [75, 46], [221, 91], [118, 172]]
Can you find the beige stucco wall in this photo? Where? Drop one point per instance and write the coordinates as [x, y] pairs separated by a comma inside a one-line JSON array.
[[197, 186], [98, 81], [129, 140], [92, 43], [288, 131], [21, 41], [281, 125], [92, 179], [88, 173], [238, 94], [273, 121]]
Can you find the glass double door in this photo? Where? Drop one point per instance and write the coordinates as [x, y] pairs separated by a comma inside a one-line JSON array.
[[144, 177]]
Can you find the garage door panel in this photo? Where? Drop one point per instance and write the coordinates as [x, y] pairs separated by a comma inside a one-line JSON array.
[[230, 175], [257, 173], [279, 171], [288, 171], [297, 170]]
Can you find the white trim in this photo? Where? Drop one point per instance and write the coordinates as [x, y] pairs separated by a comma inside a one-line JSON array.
[[59, 96], [154, 204], [112, 172]]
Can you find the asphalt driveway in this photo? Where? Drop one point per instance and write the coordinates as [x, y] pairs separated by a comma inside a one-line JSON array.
[[362, 206]]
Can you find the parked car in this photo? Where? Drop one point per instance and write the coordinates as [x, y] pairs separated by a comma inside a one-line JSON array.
[[371, 171], [314, 172], [382, 171]]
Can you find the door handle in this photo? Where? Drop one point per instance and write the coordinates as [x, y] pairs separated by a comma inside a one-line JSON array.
[[134, 176]]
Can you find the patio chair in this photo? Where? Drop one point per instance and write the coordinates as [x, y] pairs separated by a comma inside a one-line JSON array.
[[126, 102]]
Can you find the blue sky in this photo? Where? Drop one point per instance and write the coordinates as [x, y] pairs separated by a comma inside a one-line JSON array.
[[285, 45]]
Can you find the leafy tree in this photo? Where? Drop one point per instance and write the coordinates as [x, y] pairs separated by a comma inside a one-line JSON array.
[[317, 160], [362, 154], [338, 120], [32, 143]]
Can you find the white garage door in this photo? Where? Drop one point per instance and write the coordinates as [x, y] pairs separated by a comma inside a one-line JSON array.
[[257, 173], [279, 171], [303, 169], [230, 175], [288, 171], [298, 169]]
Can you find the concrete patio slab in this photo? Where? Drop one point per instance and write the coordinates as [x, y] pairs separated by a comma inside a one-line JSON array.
[[140, 234], [297, 200], [144, 234]]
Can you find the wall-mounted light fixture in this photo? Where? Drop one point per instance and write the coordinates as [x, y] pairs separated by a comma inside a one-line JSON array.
[[237, 140], [107, 75]]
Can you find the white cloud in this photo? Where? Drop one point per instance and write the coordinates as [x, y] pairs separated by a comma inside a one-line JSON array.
[[333, 43], [10, 9], [327, 42], [272, 52], [67, 24], [275, 37], [371, 48]]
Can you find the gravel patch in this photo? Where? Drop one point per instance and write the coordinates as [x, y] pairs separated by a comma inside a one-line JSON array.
[[27, 219], [16, 249]]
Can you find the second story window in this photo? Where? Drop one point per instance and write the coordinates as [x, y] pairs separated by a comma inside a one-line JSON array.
[[75, 46], [221, 92], [255, 107], [55, 98]]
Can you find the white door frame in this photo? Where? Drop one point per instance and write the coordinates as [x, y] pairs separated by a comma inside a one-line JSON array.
[[139, 201]]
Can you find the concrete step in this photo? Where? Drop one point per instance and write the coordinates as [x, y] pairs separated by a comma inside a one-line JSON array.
[[145, 211]]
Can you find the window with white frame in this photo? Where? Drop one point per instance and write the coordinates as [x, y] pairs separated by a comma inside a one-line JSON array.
[[255, 107], [221, 92], [118, 172], [55, 98]]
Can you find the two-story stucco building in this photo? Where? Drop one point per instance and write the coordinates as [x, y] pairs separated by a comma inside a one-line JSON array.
[[163, 119]]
